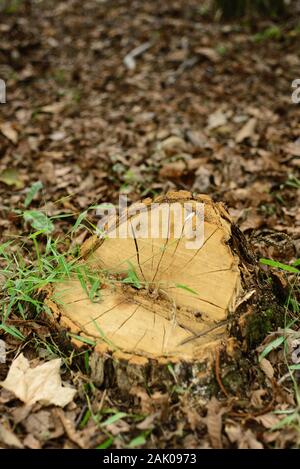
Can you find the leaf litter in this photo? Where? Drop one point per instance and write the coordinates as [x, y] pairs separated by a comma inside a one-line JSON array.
[[142, 115]]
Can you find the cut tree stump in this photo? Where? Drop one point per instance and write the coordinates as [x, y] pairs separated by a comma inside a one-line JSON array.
[[161, 299]]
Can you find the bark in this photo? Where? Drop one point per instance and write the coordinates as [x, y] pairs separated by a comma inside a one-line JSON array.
[[165, 310]]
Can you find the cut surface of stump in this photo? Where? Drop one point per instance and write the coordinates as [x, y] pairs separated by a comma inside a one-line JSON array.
[[160, 295]]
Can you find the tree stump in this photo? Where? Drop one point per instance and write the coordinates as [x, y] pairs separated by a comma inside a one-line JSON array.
[[148, 302]]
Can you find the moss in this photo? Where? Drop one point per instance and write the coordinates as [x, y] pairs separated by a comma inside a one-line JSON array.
[[233, 379], [262, 323]]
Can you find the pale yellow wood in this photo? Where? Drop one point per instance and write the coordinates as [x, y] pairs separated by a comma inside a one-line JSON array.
[[184, 291]]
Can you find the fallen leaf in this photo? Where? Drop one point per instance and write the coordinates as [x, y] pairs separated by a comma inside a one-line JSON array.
[[197, 138], [253, 220], [178, 55], [172, 170], [2, 351], [202, 181], [6, 396], [193, 418], [209, 53], [9, 132], [256, 397], [31, 442], [44, 425], [148, 422], [249, 441], [69, 426], [54, 108], [244, 439], [42, 383], [9, 438], [194, 164], [173, 145], [247, 131], [20, 413], [268, 420], [267, 368], [118, 427], [216, 119], [293, 148], [11, 177], [58, 135], [161, 403], [145, 400], [214, 422]]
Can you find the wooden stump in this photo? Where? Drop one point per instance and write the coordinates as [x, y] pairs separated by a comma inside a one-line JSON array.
[[163, 298]]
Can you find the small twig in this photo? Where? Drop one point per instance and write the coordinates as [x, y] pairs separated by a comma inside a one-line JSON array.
[[129, 59], [202, 333], [248, 415]]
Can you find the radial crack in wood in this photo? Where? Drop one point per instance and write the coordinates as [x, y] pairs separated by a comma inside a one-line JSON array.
[[161, 292]]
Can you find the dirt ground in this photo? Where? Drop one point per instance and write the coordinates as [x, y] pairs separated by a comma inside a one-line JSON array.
[[89, 123]]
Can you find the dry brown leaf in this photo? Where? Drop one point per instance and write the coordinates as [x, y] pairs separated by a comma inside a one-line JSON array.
[[7, 129], [39, 424], [267, 368], [247, 131], [54, 108], [293, 148], [249, 441], [268, 420], [42, 383], [209, 53], [173, 145], [118, 427], [194, 419], [256, 398], [20, 413], [214, 422], [146, 402], [161, 401], [216, 119], [148, 422], [197, 138], [68, 424], [234, 432], [202, 181], [8, 438], [172, 170], [6, 396], [243, 439], [31, 442]]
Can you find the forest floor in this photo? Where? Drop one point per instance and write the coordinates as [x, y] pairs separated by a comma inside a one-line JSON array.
[[88, 123]]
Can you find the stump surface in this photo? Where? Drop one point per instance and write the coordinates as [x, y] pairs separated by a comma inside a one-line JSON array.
[[159, 296]]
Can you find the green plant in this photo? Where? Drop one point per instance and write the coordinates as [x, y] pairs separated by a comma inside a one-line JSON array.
[[36, 261], [271, 33], [291, 416], [10, 6], [132, 278]]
